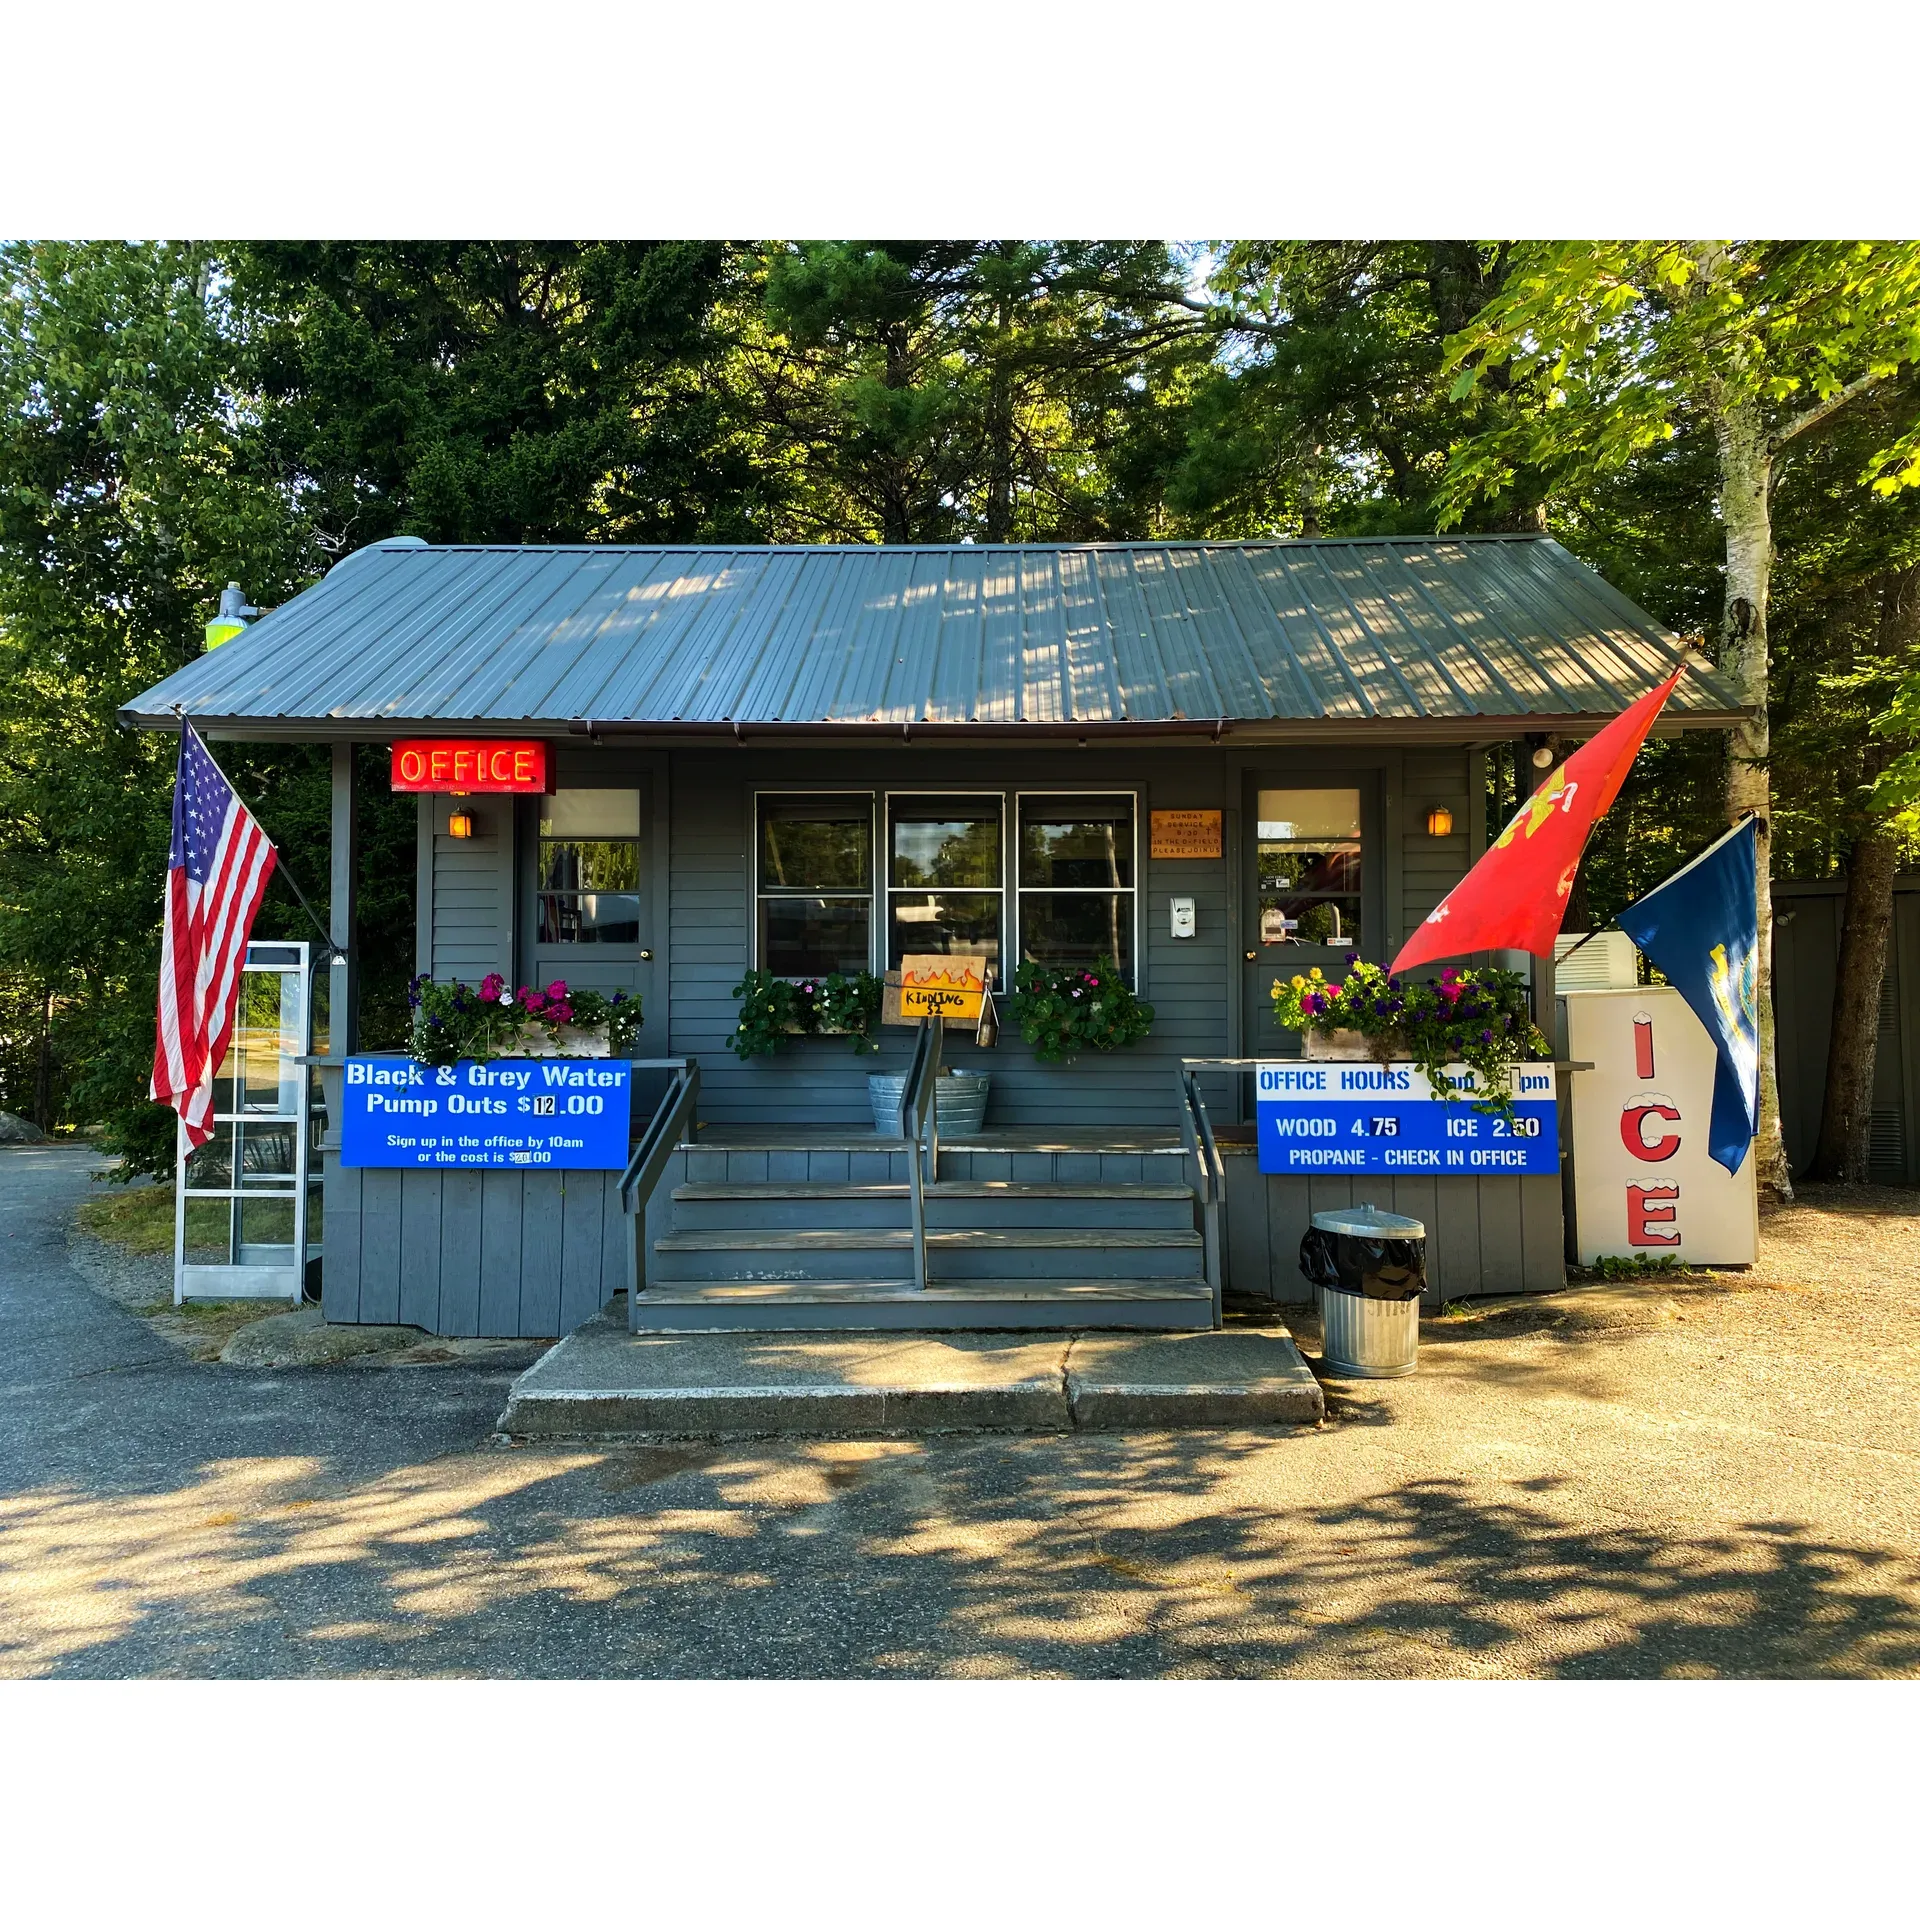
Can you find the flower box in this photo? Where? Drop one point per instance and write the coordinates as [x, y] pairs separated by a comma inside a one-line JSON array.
[[580, 1042], [1343, 1043]]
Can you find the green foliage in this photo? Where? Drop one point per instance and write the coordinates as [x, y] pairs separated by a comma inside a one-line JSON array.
[[453, 1021], [774, 1011], [850, 1003], [1637, 1266], [1326, 409], [979, 389], [1061, 1010], [1478, 1015], [1618, 340]]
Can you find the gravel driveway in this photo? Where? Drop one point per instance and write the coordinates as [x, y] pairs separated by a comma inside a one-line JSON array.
[[1686, 1477]]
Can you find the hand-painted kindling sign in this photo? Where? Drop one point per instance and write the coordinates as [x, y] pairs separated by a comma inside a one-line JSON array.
[[497, 1113], [1339, 1116], [950, 984], [472, 766]]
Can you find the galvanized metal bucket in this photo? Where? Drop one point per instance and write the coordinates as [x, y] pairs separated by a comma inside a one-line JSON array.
[[1363, 1338], [1367, 1339], [959, 1101]]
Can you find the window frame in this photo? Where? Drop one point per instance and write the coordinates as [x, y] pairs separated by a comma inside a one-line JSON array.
[[1363, 842], [884, 928], [611, 950], [875, 798], [1136, 973]]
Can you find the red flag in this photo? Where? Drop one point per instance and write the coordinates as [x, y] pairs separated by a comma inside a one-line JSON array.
[[1515, 894], [215, 877]]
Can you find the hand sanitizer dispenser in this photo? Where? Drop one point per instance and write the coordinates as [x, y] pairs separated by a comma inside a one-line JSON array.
[[1183, 918]]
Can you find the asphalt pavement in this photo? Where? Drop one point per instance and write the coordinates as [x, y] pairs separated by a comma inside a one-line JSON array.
[[1683, 1478]]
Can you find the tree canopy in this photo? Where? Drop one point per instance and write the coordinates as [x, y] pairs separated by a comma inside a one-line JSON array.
[[176, 416]]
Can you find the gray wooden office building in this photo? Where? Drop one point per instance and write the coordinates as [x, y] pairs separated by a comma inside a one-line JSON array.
[[818, 757]]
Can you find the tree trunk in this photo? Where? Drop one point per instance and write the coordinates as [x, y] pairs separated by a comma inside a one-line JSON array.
[[43, 1067], [1847, 1117], [1746, 476]]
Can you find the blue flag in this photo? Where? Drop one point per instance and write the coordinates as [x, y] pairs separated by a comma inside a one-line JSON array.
[[1702, 930]]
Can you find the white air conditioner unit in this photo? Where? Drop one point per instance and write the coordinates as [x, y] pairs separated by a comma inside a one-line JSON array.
[[1607, 960]]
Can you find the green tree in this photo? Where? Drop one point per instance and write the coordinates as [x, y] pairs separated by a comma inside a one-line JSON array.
[[126, 502], [1764, 344], [1326, 409], [495, 390], [982, 389]]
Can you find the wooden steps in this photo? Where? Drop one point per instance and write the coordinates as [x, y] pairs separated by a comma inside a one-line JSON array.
[[791, 1254], [853, 1306]]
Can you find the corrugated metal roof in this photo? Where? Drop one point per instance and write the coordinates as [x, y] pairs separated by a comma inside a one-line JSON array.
[[1425, 633]]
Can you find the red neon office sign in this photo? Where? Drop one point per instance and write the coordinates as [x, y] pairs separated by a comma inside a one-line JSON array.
[[472, 766]]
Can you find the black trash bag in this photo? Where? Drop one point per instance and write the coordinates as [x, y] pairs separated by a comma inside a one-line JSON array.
[[1373, 1269]]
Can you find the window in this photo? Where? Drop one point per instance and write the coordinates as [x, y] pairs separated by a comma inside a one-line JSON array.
[[589, 868], [813, 883], [1077, 879], [943, 875], [1309, 849]]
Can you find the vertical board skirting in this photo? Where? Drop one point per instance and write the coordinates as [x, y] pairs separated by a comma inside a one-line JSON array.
[[340, 1259], [500, 1252], [380, 1189], [581, 1200], [1491, 1234], [460, 1241], [541, 1227], [420, 1251]]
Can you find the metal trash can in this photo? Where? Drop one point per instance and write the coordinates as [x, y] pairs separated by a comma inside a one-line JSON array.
[[1368, 1270]]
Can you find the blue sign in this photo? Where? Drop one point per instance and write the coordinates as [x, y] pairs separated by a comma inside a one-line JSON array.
[[568, 1112], [1338, 1116]]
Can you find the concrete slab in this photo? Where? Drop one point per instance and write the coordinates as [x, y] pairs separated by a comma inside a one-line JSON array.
[[1225, 1379], [604, 1381]]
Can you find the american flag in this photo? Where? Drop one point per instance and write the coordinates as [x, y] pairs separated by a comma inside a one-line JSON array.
[[215, 877]]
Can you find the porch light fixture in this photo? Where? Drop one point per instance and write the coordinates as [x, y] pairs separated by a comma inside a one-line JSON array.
[[1543, 758], [460, 825], [1439, 822]]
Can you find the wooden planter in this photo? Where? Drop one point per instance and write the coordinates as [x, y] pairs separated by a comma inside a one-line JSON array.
[[580, 1043], [1343, 1043]]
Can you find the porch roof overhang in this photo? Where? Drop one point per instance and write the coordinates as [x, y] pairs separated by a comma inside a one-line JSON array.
[[1449, 639]]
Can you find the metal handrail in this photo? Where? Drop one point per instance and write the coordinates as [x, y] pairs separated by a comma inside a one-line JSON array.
[[920, 1122], [673, 1121], [1202, 1154]]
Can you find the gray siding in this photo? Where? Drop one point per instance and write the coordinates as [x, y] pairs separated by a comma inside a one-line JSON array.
[[495, 1253], [1431, 868], [473, 904], [819, 1081]]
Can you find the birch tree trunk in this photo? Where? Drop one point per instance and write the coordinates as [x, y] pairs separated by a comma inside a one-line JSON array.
[[1746, 478]]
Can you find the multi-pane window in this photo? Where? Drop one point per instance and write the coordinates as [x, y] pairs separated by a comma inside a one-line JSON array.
[[1076, 878], [943, 876], [1309, 850], [589, 867], [813, 886]]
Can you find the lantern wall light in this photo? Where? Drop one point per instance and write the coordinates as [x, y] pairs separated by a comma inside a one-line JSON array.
[[460, 825], [1439, 823]]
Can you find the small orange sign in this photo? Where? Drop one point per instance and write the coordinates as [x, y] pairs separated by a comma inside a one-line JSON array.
[[949, 984], [1190, 835]]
